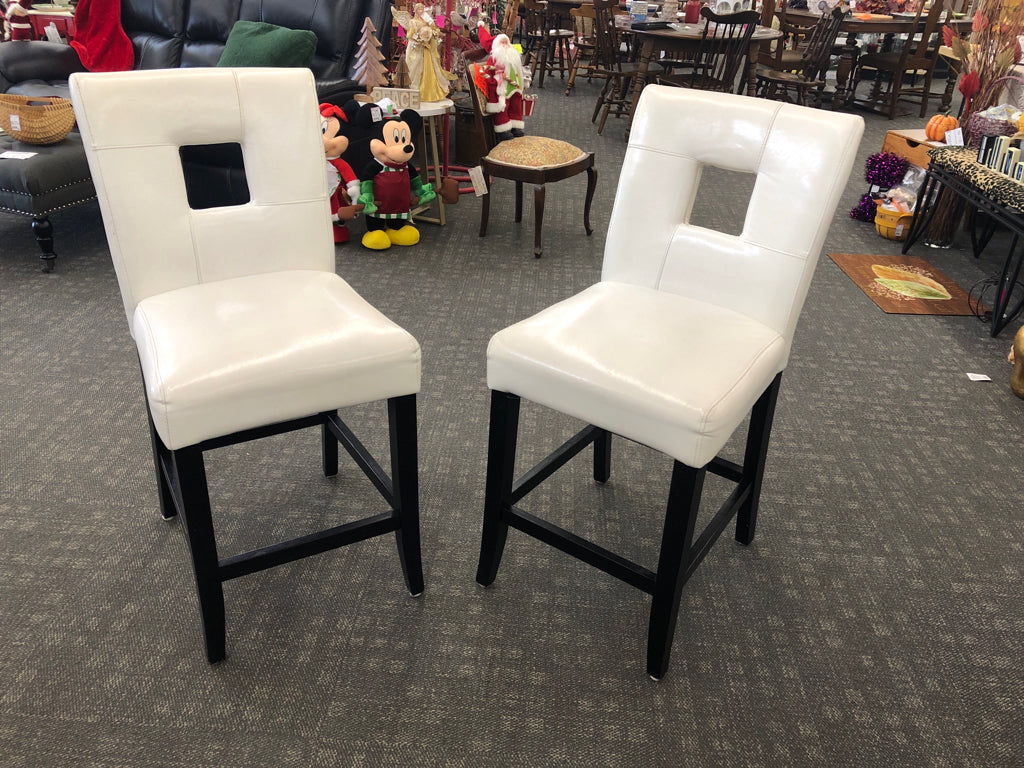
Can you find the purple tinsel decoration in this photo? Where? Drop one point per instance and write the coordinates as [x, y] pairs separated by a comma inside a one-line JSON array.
[[885, 169], [865, 210]]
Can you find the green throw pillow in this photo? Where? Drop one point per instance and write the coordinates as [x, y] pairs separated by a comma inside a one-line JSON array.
[[256, 44]]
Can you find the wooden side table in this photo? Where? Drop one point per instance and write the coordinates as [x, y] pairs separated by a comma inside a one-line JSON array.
[[435, 134], [42, 16]]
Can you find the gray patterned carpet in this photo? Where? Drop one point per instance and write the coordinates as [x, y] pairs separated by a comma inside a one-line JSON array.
[[876, 620]]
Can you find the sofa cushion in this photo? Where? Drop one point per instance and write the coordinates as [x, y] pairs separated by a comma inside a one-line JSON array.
[[258, 44], [157, 32]]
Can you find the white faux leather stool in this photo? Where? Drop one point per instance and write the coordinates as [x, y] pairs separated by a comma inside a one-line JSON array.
[[688, 331], [242, 326]]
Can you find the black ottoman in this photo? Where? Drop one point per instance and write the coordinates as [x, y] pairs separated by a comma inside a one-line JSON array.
[[56, 177]]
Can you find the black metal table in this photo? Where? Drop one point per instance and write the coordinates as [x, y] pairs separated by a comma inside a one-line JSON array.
[[1000, 202]]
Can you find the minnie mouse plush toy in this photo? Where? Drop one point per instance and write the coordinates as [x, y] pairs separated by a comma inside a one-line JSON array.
[[342, 183]]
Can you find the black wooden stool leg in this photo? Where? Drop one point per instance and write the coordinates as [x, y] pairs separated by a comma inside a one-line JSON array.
[[501, 459], [485, 211], [329, 448], [591, 187], [195, 498], [405, 482], [161, 458], [758, 433], [43, 230], [538, 214], [680, 516], [603, 456]]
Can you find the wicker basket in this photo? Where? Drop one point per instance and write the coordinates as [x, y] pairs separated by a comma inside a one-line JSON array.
[[978, 126], [892, 225], [36, 119]]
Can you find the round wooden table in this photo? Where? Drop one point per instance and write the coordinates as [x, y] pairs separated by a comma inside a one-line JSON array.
[[685, 38]]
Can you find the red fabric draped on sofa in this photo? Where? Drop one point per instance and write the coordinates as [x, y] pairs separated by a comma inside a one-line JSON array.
[[100, 41]]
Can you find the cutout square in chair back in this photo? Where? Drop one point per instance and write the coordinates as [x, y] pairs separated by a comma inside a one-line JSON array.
[[214, 175], [726, 209]]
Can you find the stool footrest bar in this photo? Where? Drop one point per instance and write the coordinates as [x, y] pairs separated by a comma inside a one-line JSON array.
[[590, 553], [304, 546]]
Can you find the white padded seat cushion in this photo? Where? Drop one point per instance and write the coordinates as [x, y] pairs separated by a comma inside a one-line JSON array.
[[256, 350], [623, 357]]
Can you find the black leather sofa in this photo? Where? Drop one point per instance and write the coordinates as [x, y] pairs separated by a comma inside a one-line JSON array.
[[192, 33]]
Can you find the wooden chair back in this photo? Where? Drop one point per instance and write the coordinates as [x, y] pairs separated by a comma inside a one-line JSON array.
[[607, 39], [583, 24], [921, 49], [724, 45], [510, 20], [481, 119], [535, 26], [818, 51]]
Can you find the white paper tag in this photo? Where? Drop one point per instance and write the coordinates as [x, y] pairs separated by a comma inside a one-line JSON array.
[[955, 138], [978, 377], [14, 155], [15, 122], [375, 114], [476, 175], [52, 34]]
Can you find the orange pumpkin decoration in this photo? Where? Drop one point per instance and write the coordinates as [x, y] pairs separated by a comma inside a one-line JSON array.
[[936, 128]]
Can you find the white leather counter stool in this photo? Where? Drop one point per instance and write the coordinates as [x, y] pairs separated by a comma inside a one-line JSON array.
[[242, 326], [688, 331]]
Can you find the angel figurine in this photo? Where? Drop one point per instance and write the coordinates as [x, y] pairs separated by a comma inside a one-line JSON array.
[[423, 53]]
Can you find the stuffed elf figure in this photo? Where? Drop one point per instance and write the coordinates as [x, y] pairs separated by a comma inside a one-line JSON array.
[[502, 78], [16, 24]]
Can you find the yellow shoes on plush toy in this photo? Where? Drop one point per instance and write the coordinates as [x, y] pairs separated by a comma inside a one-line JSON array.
[[407, 235], [377, 239], [382, 239]]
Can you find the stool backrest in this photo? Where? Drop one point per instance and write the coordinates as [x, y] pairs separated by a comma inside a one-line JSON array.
[[133, 124], [801, 159]]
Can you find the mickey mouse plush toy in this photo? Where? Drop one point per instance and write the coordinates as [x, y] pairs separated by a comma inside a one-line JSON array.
[[389, 182], [342, 183]]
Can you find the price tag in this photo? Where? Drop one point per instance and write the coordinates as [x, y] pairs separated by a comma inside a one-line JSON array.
[[476, 175], [955, 138], [15, 122]]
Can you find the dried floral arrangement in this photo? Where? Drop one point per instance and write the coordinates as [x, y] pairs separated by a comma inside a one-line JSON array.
[[988, 54]]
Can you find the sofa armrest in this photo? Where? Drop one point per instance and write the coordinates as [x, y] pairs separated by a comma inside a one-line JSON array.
[[36, 60]]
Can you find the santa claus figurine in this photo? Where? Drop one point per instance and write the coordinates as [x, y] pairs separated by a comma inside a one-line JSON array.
[[502, 78], [17, 25]]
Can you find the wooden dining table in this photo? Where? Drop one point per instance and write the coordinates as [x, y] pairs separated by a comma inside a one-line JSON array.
[[685, 38], [856, 25]]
